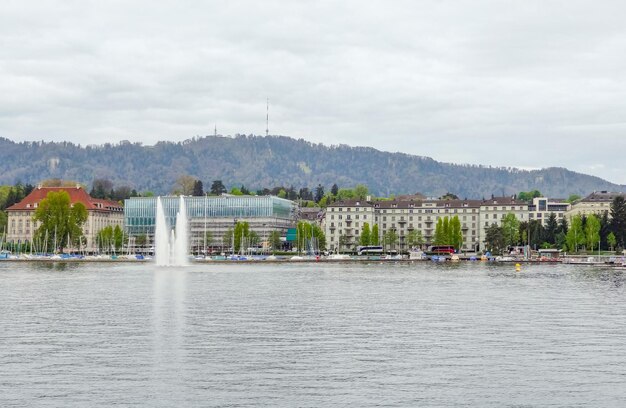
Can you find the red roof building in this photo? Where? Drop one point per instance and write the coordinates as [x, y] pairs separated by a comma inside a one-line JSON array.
[[101, 213]]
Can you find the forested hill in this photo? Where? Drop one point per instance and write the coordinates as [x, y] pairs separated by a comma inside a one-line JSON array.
[[259, 162]]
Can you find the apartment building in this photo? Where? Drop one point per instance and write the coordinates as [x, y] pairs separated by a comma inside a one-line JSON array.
[[344, 220]]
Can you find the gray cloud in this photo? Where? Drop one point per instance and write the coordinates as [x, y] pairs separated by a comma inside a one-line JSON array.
[[522, 84]]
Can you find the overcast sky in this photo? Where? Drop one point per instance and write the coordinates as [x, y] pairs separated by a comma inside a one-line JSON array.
[[525, 84]]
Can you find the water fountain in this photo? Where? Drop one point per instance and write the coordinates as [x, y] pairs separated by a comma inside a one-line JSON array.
[[171, 246]]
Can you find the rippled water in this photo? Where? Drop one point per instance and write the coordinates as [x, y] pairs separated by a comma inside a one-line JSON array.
[[284, 335]]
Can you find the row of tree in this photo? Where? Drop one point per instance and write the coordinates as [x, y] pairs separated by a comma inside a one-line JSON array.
[[589, 232], [188, 185]]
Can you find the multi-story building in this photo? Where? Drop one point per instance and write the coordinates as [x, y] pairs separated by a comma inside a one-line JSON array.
[[541, 208], [215, 215], [597, 203], [344, 220], [344, 223], [101, 213]]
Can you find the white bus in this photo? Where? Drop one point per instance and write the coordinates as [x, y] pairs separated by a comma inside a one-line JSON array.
[[369, 250]]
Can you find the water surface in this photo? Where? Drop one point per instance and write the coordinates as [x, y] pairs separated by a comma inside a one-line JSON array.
[[320, 334]]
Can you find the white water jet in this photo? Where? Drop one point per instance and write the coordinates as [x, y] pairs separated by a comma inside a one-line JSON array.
[[171, 246], [181, 245], [161, 236]]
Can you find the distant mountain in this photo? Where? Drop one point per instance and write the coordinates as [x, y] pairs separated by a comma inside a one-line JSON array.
[[258, 162]]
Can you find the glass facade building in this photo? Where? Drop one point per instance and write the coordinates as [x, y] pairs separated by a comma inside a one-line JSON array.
[[211, 214]]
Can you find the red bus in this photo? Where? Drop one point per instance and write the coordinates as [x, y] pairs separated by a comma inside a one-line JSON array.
[[440, 250]]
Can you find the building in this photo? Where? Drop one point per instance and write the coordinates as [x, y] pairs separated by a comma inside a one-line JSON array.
[[312, 215], [101, 214], [344, 221], [541, 208], [597, 203], [210, 217]]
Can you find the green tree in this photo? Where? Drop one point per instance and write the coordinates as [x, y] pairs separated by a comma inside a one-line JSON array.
[[319, 193], [365, 237], [523, 232], [320, 237], [334, 190], [575, 236], [390, 239], [572, 198], [282, 193], [345, 194], [198, 190], [456, 234], [3, 221], [510, 229], [104, 239], [227, 238], [528, 195], [551, 229], [439, 237], [618, 220], [141, 240], [494, 238], [445, 232], [360, 191], [448, 232], [344, 242], [374, 236], [560, 240], [310, 237], [536, 233], [592, 232], [274, 241], [242, 235], [235, 191], [118, 237], [611, 240], [217, 188], [414, 239], [449, 196], [563, 226], [59, 218]]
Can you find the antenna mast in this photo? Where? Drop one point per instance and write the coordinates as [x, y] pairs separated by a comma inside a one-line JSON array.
[[267, 118]]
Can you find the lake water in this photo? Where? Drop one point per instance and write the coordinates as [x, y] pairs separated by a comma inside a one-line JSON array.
[[310, 335]]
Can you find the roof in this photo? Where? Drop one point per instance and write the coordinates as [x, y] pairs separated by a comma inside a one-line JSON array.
[[351, 203], [602, 196], [503, 201], [410, 204], [77, 195]]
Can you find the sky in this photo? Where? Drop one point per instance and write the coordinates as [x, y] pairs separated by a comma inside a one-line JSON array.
[[526, 84]]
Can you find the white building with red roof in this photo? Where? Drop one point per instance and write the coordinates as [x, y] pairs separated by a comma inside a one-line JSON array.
[[101, 213]]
